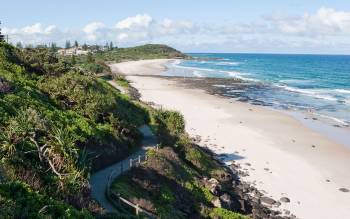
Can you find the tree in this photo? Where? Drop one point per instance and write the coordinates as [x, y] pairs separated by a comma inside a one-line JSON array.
[[89, 58], [73, 61], [29, 46], [85, 47], [68, 44], [53, 47], [19, 45], [76, 44], [111, 46]]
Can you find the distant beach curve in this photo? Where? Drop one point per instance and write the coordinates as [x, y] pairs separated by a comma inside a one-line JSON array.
[[282, 156]]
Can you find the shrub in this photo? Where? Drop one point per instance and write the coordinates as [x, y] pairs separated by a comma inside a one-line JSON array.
[[222, 213], [169, 125]]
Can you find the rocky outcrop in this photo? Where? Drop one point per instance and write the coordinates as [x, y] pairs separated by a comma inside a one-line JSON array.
[[243, 197]]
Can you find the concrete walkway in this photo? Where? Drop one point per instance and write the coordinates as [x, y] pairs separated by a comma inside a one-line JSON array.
[[114, 84], [99, 180]]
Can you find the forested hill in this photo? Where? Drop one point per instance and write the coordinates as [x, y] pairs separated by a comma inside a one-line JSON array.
[[148, 51]]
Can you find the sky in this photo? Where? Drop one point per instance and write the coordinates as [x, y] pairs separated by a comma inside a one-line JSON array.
[[250, 26]]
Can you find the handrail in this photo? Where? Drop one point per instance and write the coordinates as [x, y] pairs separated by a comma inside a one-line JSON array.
[[138, 161]]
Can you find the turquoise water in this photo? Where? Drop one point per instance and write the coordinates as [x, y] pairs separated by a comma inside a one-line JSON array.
[[316, 83]]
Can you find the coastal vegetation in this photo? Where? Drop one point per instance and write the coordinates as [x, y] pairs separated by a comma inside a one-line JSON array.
[[173, 183], [148, 51], [60, 121]]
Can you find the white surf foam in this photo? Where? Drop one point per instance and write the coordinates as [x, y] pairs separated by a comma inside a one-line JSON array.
[[344, 91], [197, 74], [316, 93], [228, 63]]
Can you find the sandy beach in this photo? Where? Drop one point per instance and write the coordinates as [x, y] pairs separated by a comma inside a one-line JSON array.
[[283, 157]]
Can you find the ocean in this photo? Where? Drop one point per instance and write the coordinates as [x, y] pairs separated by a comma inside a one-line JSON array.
[[306, 83]]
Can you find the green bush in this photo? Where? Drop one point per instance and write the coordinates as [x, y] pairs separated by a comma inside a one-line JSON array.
[[222, 213], [17, 200], [169, 125], [72, 116]]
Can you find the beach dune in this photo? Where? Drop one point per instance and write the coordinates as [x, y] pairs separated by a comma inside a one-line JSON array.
[[282, 157]]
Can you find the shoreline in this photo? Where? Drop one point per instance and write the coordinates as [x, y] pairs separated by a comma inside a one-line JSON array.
[[281, 155]]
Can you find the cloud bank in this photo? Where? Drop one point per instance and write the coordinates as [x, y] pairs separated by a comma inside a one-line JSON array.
[[325, 31]]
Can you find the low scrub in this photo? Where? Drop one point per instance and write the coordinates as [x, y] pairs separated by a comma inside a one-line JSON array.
[[57, 124]]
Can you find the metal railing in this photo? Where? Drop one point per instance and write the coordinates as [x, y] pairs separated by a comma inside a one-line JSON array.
[[113, 197]]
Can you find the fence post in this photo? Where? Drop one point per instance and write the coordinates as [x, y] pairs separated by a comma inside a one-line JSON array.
[[139, 159], [118, 195], [130, 163], [137, 210]]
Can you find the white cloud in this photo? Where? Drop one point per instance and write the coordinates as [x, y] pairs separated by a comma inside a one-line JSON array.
[[326, 29], [50, 29], [122, 36], [35, 28], [325, 22], [138, 21], [93, 30], [93, 27]]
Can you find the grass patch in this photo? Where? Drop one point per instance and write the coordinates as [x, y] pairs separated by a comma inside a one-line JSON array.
[[121, 81], [222, 213]]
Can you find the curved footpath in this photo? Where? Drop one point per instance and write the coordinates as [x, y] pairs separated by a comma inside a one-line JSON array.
[[99, 180]]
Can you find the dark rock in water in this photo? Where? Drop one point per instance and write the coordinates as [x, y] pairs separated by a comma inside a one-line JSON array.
[[285, 199], [314, 118], [337, 126], [344, 190], [267, 200]]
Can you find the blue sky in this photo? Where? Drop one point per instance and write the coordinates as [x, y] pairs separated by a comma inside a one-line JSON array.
[[271, 26]]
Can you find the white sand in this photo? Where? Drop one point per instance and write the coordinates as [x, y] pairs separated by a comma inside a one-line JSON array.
[[263, 137]]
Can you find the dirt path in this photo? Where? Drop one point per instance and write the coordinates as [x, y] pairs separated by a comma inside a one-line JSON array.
[[99, 180]]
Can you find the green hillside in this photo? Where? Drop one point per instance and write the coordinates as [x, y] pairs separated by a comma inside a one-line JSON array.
[[57, 125], [148, 51]]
